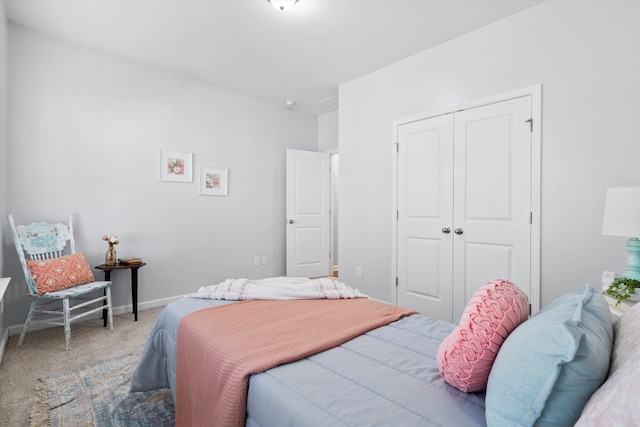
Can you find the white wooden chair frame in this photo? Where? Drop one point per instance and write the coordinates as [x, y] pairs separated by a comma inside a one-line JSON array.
[[27, 244]]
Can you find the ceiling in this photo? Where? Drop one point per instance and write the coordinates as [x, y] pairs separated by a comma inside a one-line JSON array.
[[301, 55]]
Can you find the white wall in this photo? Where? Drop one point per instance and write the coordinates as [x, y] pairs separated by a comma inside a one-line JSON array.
[[84, 137], [328, 131], [585, 54]]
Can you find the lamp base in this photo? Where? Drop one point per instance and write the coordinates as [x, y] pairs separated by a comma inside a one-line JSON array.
[[633, 260]]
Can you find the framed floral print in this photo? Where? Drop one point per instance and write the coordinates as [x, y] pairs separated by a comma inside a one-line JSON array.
[[213, 181], [176, 167]]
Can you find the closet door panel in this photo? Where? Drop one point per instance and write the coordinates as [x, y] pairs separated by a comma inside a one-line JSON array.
[[483, 261], [424, 269], [487, 151], [492, 175]]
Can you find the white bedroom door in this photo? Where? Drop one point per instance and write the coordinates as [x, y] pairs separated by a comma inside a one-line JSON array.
[[464, 205], [308, 214]]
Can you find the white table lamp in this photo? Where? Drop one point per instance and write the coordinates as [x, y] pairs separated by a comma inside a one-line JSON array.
[[622, 218]]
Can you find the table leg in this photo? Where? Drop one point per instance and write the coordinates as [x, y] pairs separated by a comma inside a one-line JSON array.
[[107, 277], [134, 292]]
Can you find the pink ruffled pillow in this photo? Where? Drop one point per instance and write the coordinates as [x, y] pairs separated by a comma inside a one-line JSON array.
[[465, 357]]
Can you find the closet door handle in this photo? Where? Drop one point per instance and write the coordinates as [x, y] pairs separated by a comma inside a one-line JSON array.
[[458, 231], [446, 230]]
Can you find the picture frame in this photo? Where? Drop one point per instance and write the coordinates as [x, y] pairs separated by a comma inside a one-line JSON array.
[[213, 181], [175, 166]]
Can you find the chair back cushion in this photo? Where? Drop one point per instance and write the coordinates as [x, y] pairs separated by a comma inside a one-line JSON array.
[[60, 273]]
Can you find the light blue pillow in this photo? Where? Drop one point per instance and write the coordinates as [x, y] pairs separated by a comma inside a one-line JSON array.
[[550, 365]]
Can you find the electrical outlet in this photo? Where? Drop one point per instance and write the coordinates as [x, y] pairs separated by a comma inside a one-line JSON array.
[[256, 260], [359, 272], [264, 260]]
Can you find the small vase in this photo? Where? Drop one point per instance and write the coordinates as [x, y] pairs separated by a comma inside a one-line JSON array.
[[111, 256]]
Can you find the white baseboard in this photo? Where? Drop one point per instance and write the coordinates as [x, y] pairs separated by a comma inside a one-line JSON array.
[[3, 343], [123, 309]]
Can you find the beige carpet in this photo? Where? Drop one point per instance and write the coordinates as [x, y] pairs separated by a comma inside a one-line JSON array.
[[42, 354]]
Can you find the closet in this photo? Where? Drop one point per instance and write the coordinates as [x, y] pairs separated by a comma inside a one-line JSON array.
[[466, 195]]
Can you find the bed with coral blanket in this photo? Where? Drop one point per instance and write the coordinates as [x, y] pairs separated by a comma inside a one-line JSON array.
[[385, 376], [389, 375]]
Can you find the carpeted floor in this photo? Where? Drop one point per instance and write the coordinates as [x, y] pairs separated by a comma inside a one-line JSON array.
[[43, 354]]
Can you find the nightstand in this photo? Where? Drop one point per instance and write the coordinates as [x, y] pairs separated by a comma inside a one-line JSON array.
[[134, 281], [619, 309]]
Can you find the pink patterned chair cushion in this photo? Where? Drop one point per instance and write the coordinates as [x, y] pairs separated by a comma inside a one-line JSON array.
[[60, 273], [465, 357], [615, 403]]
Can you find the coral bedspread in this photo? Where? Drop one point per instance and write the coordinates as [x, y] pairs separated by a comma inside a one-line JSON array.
[[219, 348]]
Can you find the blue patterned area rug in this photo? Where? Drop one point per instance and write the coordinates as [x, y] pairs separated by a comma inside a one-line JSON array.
[[99, 395]]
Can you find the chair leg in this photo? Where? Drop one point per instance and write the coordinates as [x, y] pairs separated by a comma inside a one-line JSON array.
[[67, 323], [27, 320], [109, 307]]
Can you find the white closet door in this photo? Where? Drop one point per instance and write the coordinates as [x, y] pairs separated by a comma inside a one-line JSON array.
[[492, 181], [425, 203]]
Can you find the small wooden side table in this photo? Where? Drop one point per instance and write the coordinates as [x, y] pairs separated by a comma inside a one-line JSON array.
[[134, 281]]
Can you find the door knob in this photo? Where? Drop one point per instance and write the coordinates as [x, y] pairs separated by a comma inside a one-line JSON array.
[[458, 231], [291, 221], [446, 230]]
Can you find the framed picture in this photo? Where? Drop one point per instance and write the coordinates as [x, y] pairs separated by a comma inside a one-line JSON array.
[[213, 181], [176, 167]]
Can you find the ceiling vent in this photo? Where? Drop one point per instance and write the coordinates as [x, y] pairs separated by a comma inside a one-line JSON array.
[[327, 102]]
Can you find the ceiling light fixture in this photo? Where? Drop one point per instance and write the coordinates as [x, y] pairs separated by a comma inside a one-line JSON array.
[[283, 5]]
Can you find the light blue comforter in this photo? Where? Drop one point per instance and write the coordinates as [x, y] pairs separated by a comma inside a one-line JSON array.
[[386, 377]]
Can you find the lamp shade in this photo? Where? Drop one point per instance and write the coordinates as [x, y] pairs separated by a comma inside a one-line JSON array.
[[622, 212]]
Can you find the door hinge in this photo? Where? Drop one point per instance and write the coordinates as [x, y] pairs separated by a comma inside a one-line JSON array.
[[529, 309], [397, 215], [396, 282], [530, 121], [530, 217], [397, 147]]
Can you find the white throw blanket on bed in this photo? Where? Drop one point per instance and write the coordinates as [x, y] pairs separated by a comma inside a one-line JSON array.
[[278, 288]]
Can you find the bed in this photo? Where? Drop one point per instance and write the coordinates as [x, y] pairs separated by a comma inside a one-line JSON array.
[[391, 376]]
